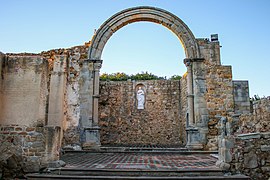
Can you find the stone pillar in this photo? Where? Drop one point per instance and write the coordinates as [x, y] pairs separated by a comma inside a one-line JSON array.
[[97, 66], [194, 136], [190, 96], [86, 96], [201, 116], [54, 130], [199, 89], [89, 94], [57, 91]]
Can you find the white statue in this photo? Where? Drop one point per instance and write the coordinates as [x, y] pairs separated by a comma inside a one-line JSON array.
[[140, 98]]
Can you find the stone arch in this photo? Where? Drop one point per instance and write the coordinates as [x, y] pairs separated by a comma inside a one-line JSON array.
[[143, 13], [89, 91]]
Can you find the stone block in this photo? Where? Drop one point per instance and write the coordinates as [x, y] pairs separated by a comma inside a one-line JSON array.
[[223, 166], [225, 155], [250, 160], [265, 148], [248, 148], [37, 144], [227, 143], [56, 164], [28, 129], [266, 169], [265, 135]]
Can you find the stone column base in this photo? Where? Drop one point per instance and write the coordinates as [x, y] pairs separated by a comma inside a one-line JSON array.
[[193, 139], [92, 138]]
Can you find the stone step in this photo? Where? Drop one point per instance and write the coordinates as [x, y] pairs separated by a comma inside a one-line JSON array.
[[142, 150], [69, 173]]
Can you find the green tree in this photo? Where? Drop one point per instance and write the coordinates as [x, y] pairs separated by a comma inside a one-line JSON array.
[[120, 76], [175, 77]]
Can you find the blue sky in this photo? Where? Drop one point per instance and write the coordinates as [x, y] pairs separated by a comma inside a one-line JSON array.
[[243, 27]]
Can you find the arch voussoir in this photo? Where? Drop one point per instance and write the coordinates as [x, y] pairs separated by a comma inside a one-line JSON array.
[[150, 14]]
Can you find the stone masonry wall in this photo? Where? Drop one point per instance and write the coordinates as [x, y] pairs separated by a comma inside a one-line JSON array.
[[219, 87], [26, 149], [23, 90], [122, 123], [219, 98]]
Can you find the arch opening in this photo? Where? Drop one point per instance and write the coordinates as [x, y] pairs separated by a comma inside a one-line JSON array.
[[135, 49]]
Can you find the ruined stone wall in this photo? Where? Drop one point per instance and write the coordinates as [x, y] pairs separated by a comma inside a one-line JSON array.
[[33, 110], [28, 82], [23, 90], [25, 138], [122, 123], [244, 146], [258, 120], [251, 155]]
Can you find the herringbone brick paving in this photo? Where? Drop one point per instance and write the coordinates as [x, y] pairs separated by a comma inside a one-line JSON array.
[[139, 161]]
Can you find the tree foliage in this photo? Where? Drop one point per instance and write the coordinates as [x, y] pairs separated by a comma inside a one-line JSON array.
[[120, 76], [114, 77], [175, 77]]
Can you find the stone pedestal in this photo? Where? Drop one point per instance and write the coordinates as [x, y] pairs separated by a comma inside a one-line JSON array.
[[92, 138], [193, 139]]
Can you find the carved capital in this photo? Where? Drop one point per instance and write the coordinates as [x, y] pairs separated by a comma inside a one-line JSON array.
[[96, 96], [187, 62], [94, 64], [97, 65]]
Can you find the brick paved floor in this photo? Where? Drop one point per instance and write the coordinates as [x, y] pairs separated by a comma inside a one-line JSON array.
[[139, 161]]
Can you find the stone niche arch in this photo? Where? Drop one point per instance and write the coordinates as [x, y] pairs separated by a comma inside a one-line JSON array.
[[89, 88], [143, 13]]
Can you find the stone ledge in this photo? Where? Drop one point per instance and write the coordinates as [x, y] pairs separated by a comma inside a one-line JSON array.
[[249, 136]]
